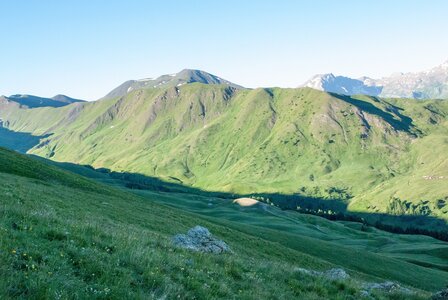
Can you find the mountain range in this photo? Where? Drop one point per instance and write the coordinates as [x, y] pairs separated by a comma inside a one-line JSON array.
[[368, 154], [430, 84]]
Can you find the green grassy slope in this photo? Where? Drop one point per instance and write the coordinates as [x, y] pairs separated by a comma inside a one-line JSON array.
[[65, 236], [376, 152]]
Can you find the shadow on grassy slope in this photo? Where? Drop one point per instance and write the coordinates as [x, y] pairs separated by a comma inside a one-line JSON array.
[[19, 141], [332, 209], [404, 124]]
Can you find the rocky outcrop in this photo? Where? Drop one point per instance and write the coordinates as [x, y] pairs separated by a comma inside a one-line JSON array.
[[200, 239], [442, 295]]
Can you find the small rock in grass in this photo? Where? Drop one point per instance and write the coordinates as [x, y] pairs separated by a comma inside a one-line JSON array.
[[336, 274], [387, 286], [332, 274], [365, 294]]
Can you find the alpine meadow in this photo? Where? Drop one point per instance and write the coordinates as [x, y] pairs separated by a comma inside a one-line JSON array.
[[191, 186]]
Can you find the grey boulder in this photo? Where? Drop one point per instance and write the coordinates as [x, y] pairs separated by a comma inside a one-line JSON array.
[[199, 239]]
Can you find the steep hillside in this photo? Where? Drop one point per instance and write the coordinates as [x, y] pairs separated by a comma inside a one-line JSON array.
[[382, 156], [59, 229]]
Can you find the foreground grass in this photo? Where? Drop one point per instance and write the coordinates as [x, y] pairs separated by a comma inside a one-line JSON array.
[[64, 242], [58, 247]]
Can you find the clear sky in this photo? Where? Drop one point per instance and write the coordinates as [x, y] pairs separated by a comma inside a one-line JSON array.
[[84, 48]]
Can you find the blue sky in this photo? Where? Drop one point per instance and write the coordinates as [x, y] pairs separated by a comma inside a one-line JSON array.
[[85, 48]]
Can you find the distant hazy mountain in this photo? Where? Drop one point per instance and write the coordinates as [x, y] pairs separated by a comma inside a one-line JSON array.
[[35, 101], [169, 80], [421, 85], [343, 85]]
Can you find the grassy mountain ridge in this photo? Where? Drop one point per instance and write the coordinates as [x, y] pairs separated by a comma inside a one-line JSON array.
[[101, 242], [374, 152]]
